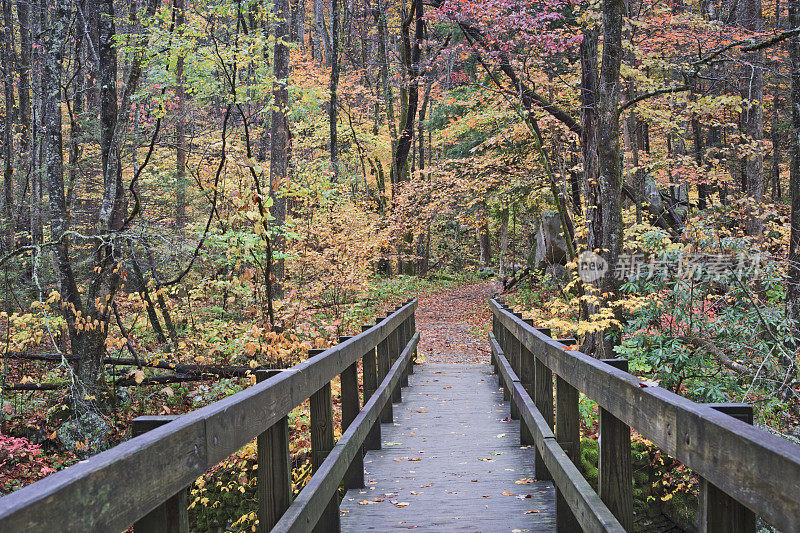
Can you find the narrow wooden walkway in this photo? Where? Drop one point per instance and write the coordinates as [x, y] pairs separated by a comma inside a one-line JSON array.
[[451, 462]]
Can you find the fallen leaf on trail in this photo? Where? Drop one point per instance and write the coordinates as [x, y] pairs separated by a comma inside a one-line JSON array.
[[401, 504], [501, 435], [414, 458], [523, 481], [531, 512], [506, 493], [426, 485]]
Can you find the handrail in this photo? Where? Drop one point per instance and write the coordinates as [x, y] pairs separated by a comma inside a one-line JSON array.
[[117, 487], [756, 468], [589, 510], [311, 502]]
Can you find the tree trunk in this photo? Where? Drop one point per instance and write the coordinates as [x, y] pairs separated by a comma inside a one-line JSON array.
[[749, 16], [279, 156], [484, 238], [501, 273], [181, 149], [793, 282], [603, 201], [9, 64], [412, 67], [334, 88]]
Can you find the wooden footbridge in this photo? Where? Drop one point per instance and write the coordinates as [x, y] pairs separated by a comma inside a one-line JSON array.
[[445, 447]]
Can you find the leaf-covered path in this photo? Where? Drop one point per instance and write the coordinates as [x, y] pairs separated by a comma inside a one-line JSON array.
[[450, 462], [453, 324]]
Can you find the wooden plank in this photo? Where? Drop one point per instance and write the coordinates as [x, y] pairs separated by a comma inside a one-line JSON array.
[[274, 469], [725, 451], [454, 453], [310, 505], [370, 372], [718, 512], [354, 478], [172, 516]]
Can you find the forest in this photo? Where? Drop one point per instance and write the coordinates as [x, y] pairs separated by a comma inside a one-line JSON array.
[[196, 189]]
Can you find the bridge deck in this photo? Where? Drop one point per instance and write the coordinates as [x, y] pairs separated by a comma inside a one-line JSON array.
[[450, 462]]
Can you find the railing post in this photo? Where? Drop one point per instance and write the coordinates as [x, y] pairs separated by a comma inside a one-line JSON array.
[[719, 513], [384, 364], [412, 325], [394, 342], [322, 442], [402, 340], [370, 370], [514, 355], [171, 516], [274, 469], [351, 405], [543, 398], [502, 343], [614, 477], [527, 371], [568, 436], [496, 334]]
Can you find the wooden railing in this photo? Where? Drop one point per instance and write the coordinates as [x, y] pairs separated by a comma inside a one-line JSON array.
[[744, 471], [143, 481]]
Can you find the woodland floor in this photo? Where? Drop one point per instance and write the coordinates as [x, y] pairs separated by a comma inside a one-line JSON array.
[[453, 324]]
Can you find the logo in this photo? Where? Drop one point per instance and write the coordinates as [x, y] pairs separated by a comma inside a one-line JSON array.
[[591, 267]]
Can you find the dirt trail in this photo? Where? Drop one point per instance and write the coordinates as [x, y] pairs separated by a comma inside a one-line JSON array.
[[453, 324]]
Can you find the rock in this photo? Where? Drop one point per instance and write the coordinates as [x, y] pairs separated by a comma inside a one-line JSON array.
[[551, 246], [85, 435]]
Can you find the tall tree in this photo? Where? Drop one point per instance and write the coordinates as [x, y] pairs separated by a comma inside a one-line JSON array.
[[181, 148], [334, 88], [411, 64], [750, 17], [9, 68], [279, 148], [793, 282]]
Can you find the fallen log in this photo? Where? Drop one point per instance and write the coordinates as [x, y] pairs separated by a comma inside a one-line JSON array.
[[186, 368]]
